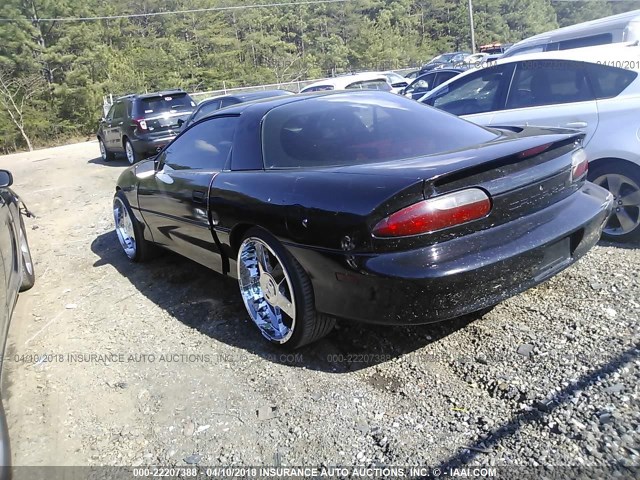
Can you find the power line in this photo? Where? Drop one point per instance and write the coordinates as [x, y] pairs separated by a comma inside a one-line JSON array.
[[178, 12]]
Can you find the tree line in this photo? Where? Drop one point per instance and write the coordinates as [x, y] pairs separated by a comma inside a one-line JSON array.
[[54, 74]]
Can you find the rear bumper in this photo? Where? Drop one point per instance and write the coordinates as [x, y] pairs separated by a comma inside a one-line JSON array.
[[151, 145], [461, 275]]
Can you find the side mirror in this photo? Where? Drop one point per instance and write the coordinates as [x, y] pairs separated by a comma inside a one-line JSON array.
[[6, 179], [180, 122]]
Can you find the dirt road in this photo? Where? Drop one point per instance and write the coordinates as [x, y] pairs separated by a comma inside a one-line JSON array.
[[110, 363]]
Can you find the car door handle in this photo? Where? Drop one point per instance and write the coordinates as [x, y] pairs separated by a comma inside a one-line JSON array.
[[198, 196], [577, 125]]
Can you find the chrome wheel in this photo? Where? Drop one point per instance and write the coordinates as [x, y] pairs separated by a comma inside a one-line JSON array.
[[131, 156], [124, 227], [266, 290], [626, 203], [103, 150]]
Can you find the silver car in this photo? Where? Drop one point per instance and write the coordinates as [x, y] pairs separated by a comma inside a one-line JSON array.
[[594, 89]]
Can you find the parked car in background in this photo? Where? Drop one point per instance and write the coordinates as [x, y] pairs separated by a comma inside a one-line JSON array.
[[494, 48], [624, 27], [428, 81], [140, 125], [445, 60], [581, 89], [16, 275], [397, 81], [210, 105], [412, 74], [354, 81], [362, 205], [475, 60]]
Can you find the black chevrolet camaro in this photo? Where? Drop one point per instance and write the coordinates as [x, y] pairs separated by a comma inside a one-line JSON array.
[[365, 206]]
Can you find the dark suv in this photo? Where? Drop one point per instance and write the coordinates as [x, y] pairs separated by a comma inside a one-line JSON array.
[[140, 125]]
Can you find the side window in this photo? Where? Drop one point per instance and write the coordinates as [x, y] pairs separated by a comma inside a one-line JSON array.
[[206, 109], [206, 146], [609, 82], [522, 50], [119, 111], [423, 84], [478, 92], [443, 77], [601, 39], [548, 82], [109, 116]]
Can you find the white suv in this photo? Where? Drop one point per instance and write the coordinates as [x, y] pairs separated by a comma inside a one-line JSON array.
[[594, 89]]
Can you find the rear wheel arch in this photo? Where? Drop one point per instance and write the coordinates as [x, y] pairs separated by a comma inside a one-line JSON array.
[[236, 236], [609, 161]]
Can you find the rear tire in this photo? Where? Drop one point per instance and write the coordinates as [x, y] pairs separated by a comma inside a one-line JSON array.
[[622, 179], [130, 231], [26, 262], [270, 277], [130, 153]]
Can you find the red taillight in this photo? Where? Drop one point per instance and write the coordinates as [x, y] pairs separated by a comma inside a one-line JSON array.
[[435, 214], [141, 123], [532, 152], [579, 164]]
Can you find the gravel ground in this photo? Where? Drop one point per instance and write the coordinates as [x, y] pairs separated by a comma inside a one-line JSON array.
[[178, 376]]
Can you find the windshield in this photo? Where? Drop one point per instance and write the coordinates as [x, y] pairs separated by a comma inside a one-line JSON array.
[[361, 128]]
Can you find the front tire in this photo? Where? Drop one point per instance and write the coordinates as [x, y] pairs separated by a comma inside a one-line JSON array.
[[277, 292], [623, 181], [106, 155], [27, 270], [129, 230], [131, 154]]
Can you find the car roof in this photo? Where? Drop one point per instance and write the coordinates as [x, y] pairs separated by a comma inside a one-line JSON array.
[[581, 27], [262, 106], [441, 70], [162, 93], [626, 53], [247, 96], [262, 94], [343, 80]]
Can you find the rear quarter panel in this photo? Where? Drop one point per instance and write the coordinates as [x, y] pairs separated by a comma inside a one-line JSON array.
[[313, 209], [618, 133]]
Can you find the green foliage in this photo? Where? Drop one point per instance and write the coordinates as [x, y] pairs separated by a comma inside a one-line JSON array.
[[83, 61]]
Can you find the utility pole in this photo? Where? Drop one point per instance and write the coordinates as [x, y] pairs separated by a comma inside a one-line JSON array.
[[473, 33]]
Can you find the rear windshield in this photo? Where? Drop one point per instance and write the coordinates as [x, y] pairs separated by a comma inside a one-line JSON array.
[[361, 128], [175, 102]]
